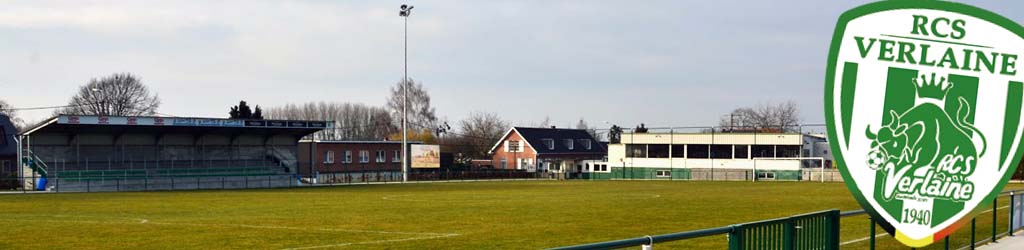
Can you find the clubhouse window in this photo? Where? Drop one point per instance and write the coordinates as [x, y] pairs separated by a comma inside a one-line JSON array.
[[788, 151], [636, 150], [568, 143], [663, 173], [396, 156], [721, 151], [762, 151], [348, 157], [739, 152], [585, 143], [657, 151], [380, 156], [679, 151], [698, 151], [766, 175]]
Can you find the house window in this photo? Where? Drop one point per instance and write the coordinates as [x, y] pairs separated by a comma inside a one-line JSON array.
[[568, 143], [364, 156], [381, 157], [525, 164], [604, 167], [550, 143], [766, 175], [554, 166], [504, 163], [348, 157], [513, 146], [329, 157], [664, 173], [585, 143], [396, 157]]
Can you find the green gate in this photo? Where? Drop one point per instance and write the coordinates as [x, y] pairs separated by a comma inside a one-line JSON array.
[[807, 231]]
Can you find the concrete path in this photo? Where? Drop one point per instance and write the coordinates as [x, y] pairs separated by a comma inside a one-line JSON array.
[[1006, 243]]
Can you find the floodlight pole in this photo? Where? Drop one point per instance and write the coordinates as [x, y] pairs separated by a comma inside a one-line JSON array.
[[404, 13]]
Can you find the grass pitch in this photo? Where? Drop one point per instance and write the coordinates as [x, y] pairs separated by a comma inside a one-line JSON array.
[[471, 215]]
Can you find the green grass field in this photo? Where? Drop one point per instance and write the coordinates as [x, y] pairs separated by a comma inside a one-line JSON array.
[[471, 215]]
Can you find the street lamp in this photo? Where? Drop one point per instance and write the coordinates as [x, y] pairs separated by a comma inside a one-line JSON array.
[[404, 13]]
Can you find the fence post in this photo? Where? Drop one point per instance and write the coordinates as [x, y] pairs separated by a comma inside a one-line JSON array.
[[833, 233], [788, 233], [1010, 225], [974, 223], [735, 239], [947, 242], [995, 208], [871, 239]]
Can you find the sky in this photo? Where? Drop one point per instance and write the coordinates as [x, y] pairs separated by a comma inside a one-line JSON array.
[[663, 63]]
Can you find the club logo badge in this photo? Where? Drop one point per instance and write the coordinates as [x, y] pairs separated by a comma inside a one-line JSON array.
[[923, 103]]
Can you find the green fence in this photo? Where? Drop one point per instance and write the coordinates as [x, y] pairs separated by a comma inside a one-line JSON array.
[[809, 231], [819, 230]]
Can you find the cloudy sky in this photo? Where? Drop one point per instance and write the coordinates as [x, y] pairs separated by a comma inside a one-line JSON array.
[[679, 63]]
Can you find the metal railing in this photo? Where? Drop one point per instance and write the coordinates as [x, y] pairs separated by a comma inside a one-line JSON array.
[[819, 230]]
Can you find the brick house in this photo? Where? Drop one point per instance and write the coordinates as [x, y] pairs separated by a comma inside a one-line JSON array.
[[546, 149], [350, 156]]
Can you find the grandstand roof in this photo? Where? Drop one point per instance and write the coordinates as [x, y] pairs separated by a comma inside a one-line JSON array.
[[70, 124]]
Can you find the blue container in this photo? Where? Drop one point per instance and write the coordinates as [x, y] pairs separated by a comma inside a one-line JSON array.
[[41, 185]]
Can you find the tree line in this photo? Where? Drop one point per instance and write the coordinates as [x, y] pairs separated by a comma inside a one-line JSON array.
[[124, 94]]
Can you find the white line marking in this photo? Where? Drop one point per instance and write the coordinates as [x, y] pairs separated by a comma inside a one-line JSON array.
[[373, 242], [862, 239], [413, 198], [127, 220]]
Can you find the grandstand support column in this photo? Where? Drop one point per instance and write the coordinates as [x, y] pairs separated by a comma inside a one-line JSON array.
[[21, 167]]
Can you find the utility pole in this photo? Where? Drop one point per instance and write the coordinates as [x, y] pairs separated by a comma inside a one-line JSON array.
[[404, 13]]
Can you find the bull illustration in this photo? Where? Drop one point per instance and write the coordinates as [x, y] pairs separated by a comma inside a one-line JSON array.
[[923, 138]]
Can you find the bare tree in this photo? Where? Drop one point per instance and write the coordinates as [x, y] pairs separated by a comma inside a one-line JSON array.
[[421, 114], [582, 124], [11, 113], [120, 94], [782, 117], [478, 133], [352, 121], [543, 123]]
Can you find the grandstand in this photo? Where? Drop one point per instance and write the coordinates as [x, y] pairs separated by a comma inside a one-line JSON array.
[[113, 153]]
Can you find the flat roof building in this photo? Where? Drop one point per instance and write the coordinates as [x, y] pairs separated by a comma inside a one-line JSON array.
[[713, 156]]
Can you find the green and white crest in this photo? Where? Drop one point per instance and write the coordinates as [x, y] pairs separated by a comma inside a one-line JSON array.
[[923, 102]]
